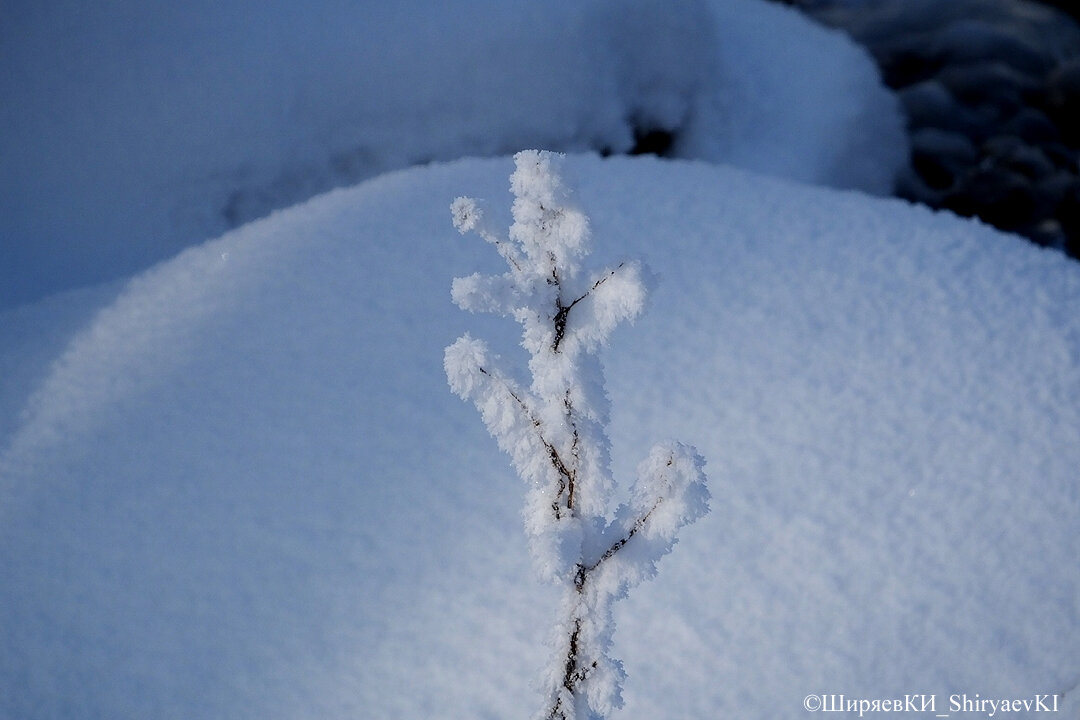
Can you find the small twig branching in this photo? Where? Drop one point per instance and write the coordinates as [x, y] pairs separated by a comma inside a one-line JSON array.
[[554, 431]]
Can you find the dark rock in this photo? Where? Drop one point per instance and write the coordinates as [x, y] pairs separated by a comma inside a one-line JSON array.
[[901, 67], [939, 156], [952, 145], [1032, 126], [1001, 145], [930, 104], [1012, 153], [1030, 162], [1072, 245], [1062, 101], [1047, 233], [911, 186], [935, 171], [1069, 7], [1053, 189], [978, 40], [1002, 198], [1068, 212], [991, 82], [926, 101], [991, 89], [1063, 157], [879, 25], [1066, 78], [1017, 28], [1069, 216]]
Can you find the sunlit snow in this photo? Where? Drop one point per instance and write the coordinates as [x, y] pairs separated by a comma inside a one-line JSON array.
[[237, 484], [246, 490]]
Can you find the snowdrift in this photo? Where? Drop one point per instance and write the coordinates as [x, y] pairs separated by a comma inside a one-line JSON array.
[[245, 490], [131, 132]]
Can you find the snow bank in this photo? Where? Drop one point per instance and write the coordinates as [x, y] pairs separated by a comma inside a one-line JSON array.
[[799, 101], [245, 489], [131, 131]]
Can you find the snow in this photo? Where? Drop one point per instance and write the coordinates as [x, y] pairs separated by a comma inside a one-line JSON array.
[[235, 483], [129, 132], [244, 488]]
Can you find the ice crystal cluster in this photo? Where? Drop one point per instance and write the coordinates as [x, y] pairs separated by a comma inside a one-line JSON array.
[[555, 429]]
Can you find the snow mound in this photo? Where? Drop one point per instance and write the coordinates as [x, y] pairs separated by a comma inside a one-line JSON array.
[[130, 132], [245, 489]]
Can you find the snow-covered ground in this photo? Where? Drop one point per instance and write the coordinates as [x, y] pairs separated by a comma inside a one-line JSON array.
[[245, 490], [237, 485]]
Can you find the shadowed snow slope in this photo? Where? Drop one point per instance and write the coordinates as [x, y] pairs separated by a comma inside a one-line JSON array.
[[244, 490], [130, 131]]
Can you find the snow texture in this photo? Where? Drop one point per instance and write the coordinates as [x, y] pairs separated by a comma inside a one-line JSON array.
[[130, 131], [241, 489], [555, 432]]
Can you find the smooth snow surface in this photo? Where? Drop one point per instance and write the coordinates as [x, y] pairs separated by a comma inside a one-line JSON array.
[[129, 131], [245, 490]]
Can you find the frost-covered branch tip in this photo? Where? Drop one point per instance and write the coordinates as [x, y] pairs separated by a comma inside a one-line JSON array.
[[554, 430]]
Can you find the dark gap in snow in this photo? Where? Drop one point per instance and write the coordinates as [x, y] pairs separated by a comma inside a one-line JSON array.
[[653, 141], [647, 141]]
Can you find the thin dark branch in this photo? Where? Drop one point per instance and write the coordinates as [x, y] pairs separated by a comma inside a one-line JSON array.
[[573, 673], [617, 545], [507, 251], [583, 571], [562, 312], [567, 476], [574, 444]]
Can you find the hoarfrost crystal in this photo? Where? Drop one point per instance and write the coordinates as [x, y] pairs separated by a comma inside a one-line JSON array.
[[554, 430]]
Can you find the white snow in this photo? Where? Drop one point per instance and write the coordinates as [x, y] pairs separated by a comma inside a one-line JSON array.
[[236, 483], [130, 131], [245, 489]]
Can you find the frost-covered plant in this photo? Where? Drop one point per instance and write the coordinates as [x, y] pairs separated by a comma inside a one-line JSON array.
[[554, 430]]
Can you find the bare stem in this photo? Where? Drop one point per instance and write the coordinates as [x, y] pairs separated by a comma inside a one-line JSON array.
[[567, 475]]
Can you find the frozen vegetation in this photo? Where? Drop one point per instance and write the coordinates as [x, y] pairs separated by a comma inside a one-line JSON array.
[[555, 431], [235, 483]]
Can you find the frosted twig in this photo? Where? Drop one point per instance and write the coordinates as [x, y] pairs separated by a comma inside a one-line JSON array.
[[554, 431]]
